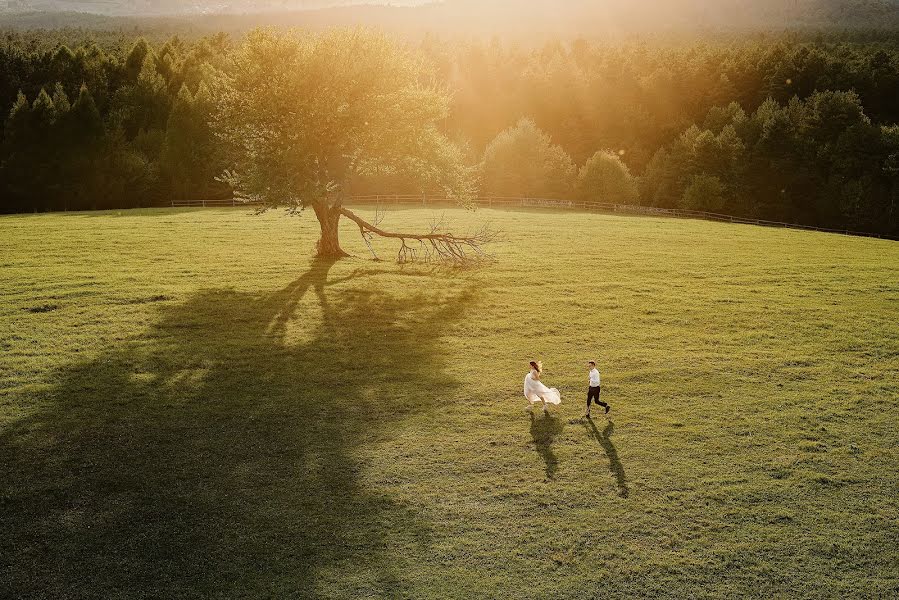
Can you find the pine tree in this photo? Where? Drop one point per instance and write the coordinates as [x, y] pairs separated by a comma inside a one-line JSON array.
[[28, 147], [60, 101], [134, 63], [47, 150], [64, 65], [63, 57], [190, 161], [150, 100], [181, 141], [18, 121], [43, 114], [16, 142], [85, 117], [85, 174]]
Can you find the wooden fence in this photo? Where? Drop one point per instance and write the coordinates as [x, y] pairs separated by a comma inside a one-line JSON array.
[[517, 202], [207, 203]]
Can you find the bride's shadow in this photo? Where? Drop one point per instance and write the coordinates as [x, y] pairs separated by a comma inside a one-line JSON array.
[[216, 455], [544, 431]]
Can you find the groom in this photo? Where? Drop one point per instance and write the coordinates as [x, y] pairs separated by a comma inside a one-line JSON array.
[[593, 391]]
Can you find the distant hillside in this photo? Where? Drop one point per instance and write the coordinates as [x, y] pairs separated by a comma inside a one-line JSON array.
[[461, 17], [180, 7]]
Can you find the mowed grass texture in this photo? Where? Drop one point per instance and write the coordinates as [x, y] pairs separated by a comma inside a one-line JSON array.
[[190, 406]]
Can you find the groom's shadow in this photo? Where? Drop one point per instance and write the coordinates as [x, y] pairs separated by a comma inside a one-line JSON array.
[[543, 432], [604, 438]]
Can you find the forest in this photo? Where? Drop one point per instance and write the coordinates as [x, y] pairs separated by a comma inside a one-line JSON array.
[[793, 127]]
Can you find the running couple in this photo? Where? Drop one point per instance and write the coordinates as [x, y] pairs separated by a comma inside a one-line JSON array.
[[537, 393]]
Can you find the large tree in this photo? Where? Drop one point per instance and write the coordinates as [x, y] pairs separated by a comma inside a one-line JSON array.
[[304, 114]]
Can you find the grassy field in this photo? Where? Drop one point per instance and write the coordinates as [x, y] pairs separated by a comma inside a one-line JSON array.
[[190, 407]]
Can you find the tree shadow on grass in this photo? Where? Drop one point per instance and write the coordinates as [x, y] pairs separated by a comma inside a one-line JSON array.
[[544, 431], [604, 438], [214, 457]]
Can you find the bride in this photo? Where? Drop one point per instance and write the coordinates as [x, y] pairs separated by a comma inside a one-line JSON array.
[[535, 391]]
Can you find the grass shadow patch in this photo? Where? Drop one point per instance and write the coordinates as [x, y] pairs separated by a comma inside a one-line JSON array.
[[213, 458], [149, 299], [42, 308]]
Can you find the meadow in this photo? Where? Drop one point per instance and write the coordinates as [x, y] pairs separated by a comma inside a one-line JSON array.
[[192, 406]]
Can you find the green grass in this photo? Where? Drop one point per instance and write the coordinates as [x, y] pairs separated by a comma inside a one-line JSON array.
[[191, 407]]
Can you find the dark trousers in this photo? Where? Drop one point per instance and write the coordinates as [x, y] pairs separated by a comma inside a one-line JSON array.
[[593, 396]]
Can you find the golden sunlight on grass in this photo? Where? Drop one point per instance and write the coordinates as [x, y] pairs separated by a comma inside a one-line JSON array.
[[217, 416]]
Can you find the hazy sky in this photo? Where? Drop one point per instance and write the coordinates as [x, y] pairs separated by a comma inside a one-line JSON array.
[[144, 6]]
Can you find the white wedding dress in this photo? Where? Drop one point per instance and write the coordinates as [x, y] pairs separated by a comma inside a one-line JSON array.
[[535, 391]]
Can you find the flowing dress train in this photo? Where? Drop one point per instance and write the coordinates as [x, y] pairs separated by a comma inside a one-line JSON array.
[[535, 391]]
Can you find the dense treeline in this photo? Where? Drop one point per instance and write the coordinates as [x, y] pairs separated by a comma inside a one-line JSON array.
[[782, 130], [90, 128], [771, 127]]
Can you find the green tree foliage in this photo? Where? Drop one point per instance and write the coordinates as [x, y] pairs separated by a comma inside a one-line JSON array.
[[522, 161], [796, 127], [705, 193], [303, 115], [41, 175], [190, 160], [43, 115], [145, 103], [106, 148], [17, 149], [660, 184], [136, 59], [87, 124], [818, 161], [87, 162], [605, 178]]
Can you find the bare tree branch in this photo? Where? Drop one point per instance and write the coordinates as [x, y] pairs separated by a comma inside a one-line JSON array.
[[436, 245]]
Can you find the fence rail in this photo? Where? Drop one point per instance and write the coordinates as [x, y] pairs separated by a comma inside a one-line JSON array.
[[518, 202], [207, 203]]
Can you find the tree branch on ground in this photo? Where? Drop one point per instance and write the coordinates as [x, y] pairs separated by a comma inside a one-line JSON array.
[[435, 246]]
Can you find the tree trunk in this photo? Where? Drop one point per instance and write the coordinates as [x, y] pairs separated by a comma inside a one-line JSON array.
[[329, 220]]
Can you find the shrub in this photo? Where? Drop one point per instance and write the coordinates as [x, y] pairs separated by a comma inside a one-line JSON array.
[[522, 161], [604, 178]]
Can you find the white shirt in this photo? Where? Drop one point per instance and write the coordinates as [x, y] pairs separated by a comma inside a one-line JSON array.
[[594, 378]]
